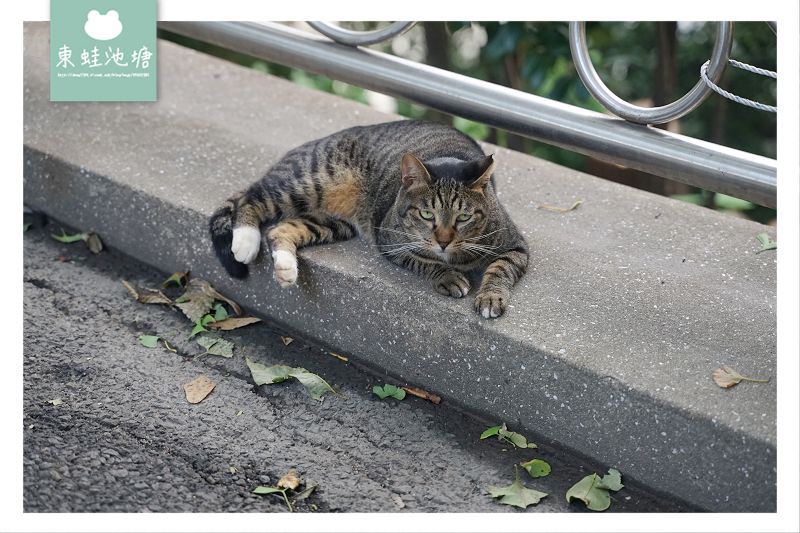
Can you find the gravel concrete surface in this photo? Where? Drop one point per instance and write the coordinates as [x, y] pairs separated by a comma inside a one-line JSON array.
[[124, 438]]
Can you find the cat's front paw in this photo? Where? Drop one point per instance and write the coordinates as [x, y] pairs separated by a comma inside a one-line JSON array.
[[246, 243], [285, 267], [452, 283], [491, 304]]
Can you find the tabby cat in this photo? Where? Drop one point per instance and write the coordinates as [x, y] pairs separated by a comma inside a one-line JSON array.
[[422, 193]]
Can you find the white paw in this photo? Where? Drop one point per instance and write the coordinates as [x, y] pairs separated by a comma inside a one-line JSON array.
[[246, 242], [285, 267]]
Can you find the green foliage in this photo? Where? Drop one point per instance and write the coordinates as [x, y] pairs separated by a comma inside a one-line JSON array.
[[594, 491], [264, 375], [148, 341], [766, 242], [389, 390], [511, 437], [536, 467]]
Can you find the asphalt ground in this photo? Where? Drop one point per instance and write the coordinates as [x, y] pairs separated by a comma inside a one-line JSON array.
[[125, 439]]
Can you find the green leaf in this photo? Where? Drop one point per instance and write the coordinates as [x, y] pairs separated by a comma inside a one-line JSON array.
[[263, 374], [514, 438], [197, 329], [267, 490], [315, 385], [488, 432], [148, 341], [220, 313], [389, 390], [766, 242], [593, 490], [723, 201], [216, 346], [517, 494], [178, 278], [65, 238], [26, 226], [536, 467]]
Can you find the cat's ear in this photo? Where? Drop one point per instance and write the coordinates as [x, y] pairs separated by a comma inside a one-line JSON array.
[[485, 168], [413, 172]]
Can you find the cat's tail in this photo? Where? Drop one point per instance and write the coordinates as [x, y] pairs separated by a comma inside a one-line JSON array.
[[220, 225]]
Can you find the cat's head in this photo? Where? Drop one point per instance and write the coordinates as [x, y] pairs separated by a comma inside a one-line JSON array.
[[445, 205]]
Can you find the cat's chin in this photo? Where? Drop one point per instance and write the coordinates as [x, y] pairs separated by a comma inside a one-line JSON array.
[[443, 255]]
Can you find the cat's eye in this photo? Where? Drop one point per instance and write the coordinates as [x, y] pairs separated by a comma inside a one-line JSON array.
[[425, 214], [463, 217]]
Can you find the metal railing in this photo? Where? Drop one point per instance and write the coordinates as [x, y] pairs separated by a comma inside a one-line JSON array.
[[606, 138]]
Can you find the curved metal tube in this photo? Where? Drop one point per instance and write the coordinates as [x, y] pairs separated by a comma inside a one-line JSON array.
[[609, 139], [648, 115], [361, 38]]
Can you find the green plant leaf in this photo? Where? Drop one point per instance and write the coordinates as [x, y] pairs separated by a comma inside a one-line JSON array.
[[26, 226], [766, 243], [315, 385], [274, 490], [65, 238], [517, 494], [723, 201], [148, 341], [178, 278], [593, 490], [488, 432], [216, 346], [389, 390], [536, 467], [264, 375], [220, 313]]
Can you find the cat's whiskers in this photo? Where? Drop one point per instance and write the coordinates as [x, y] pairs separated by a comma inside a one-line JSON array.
[[479, 237]]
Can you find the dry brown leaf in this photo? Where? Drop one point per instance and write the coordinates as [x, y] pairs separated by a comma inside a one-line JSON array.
[[339, 357], [286, 340], [557, 209], [233, 323], [289, 480], [198, 299], [197, 389], [726, 377], [147, 296], [425, 395], [94, 243]]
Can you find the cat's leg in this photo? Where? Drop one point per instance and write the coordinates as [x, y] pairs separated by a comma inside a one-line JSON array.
[[247, 232], [445, 279], [498, 279], [288, 235]]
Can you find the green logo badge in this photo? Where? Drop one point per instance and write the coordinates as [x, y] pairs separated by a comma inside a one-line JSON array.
[[103, 50]]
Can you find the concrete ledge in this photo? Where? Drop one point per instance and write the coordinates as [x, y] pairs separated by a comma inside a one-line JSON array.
[[632, 300]]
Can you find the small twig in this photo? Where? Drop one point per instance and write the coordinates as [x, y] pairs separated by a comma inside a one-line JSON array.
[[561, 209]]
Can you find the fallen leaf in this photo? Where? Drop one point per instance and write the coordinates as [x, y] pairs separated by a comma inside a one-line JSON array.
[[233, 323], [766, 243], [178, 278], [168, 347], [286, 340], [289, 480], [94, 243], [198, 299], [339, 357], [216, 346], [147, 296], [265, 375], [517, 494], [425, 395], [515, 439], [220, 313], [593, 490], [197, 389], [239, 413], [67, 239], [389, 390], [201, 324], [148, 341], [274, 490], [536, 467], [561, 209], [232, 469], [55, 401], [305, 493], [315, 385], [26, 226], [726, 377]]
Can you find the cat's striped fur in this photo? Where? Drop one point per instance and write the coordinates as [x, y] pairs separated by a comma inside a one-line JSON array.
[[421, 192]]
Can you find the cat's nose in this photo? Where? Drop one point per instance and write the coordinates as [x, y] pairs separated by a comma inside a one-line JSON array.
[[444, 244]]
